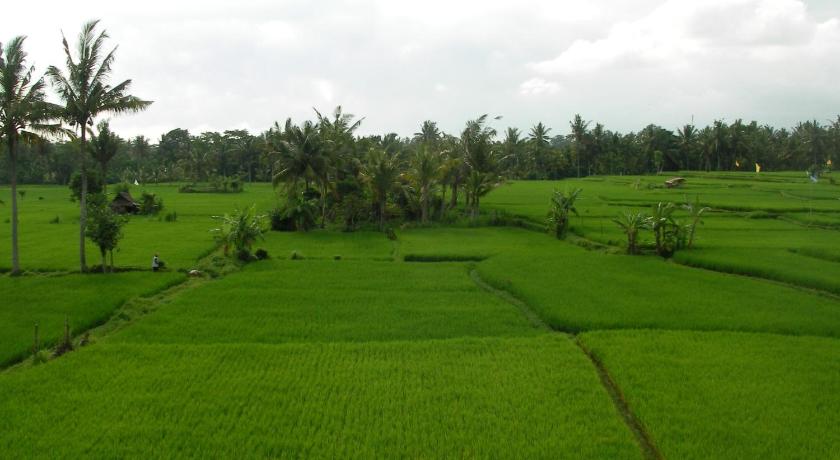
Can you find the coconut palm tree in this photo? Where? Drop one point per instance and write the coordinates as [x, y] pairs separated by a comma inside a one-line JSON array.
[[539, 143], [479, 184], [301, 155], [24, 115], [429, 134], [579, 134], [424, 172], [86, 94], [381, 172], [103, 148], [630, 223]]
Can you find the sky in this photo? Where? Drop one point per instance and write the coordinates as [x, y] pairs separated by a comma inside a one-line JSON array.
[[213, 65]]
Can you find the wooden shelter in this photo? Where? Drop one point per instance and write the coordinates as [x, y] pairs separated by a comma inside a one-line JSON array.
[[674, 182], [124, 204]]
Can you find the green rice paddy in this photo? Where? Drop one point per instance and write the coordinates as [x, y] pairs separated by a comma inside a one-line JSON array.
[[426, 346]]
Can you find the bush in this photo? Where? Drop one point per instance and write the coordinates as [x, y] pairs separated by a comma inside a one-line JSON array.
[[280, 222], [171, 217], [150, 204], [55, 220], [261, 254], [296, 255]]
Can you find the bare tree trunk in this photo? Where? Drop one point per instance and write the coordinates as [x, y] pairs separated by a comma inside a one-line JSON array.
[[104, 260], [83, 202], [13, 181]]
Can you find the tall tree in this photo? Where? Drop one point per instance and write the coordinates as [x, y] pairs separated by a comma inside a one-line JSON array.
[[103, 148], [23, 115], [425, 169], [539, 143], [579, 135], [86, 93], [381, 172]]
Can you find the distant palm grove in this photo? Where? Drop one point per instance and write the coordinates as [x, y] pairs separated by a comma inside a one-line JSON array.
[[539, 153]]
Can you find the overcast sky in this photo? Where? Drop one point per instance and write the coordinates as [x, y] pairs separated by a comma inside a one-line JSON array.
[[216, 65]]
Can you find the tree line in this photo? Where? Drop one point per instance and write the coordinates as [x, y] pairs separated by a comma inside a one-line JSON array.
[[588, 149]]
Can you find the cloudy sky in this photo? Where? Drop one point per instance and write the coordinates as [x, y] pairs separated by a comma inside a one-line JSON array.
[[215, 65]]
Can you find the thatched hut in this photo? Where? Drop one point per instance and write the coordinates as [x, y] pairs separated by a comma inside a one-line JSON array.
[[124, 204]]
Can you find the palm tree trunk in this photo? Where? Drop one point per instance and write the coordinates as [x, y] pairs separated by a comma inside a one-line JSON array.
[[13, 181], [424, 210], [443, 200], [83, 203], [382, 215], [103, 171], [454, 201]]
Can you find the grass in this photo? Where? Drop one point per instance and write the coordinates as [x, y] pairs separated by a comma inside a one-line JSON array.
[[577, 290], [524, 397], [87, 300], [55, 246], [281, 301], [756, 224], [728, 395], [351, 351], [323, 244]]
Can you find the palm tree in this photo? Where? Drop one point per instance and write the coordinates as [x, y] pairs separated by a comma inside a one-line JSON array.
[[103, 147], [631, 223], [479, 184], [424, 173], [579, 132], [539, 143], [515, 164], [687, 143], [87, 94], [562, 205], [301, 155], [381, 172], [429, 134], [23, 114]]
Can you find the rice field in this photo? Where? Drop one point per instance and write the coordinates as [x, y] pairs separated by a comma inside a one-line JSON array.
[[757, 226], [714, 394], [450, 341]]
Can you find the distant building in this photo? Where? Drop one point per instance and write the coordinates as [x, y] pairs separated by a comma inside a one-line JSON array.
[[124, 204]]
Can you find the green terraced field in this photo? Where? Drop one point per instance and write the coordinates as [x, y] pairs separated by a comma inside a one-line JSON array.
[[447, 342], [716, 394], [325, 300], [86, 300], [756, 226]]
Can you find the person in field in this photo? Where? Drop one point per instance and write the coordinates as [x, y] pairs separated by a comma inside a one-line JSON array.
[[155, 263]]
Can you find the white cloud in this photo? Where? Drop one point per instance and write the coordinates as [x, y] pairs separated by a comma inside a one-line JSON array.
[[680, 34], [538, 86]]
